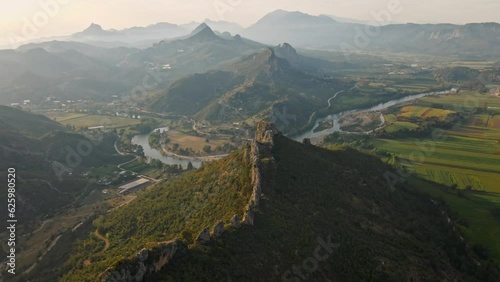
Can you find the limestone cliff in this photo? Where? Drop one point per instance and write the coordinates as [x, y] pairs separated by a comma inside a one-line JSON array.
[[144, 263], [262, 161]]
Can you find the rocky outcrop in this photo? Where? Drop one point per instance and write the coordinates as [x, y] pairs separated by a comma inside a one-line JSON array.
[[144, 263], [204, 236], [218, 229], [260, 148], [265, 133], [249, 216], [235, 221], [256, 175]]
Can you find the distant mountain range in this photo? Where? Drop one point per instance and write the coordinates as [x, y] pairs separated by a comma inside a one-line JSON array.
[[141, 37], [319, 32], [303, 30]]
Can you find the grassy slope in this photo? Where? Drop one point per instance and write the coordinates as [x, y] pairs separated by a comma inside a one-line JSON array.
[[181, 208], [26, 123]]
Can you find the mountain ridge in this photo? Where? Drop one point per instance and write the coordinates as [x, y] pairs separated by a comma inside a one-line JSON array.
[[253, 85]]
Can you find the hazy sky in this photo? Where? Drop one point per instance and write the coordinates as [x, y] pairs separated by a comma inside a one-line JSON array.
[[69, 16]]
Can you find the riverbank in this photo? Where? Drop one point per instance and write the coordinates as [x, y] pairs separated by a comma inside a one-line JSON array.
[[313, 133]]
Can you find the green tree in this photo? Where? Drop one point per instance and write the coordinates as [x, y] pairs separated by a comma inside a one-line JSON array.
[[207, 149], [175, 147], [140, 151]]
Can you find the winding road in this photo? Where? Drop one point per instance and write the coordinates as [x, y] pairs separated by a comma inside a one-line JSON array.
[[133, 160], [329, 102]]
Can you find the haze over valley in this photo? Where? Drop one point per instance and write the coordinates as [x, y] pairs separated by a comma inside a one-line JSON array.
[[250, 142]]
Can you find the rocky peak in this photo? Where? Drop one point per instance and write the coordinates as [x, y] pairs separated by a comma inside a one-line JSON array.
[[203, 32], [274, 64], [93, 29], [286, 50], [265, 133]]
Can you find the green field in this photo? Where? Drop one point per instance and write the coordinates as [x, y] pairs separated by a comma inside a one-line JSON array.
[[473, 157], [477, 179], [143, 168], [393, 125], [449, 178], [476, 208]]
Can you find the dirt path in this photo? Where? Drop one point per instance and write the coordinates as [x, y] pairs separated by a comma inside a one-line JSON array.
[[329, 102], [189, 158], [41, 226], [106, 241]]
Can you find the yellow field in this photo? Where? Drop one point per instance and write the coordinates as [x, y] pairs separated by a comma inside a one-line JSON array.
[[195, 142], [83, 120], [423, 112], [494, 122]]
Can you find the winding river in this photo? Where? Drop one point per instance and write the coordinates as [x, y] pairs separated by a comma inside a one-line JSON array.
[[336, 117], [149, 152], [143, 139]]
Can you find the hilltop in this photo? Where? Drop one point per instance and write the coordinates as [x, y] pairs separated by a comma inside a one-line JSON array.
[[277, 209]]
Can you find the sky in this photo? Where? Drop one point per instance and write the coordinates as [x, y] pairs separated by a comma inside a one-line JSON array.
[[29, 19]]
